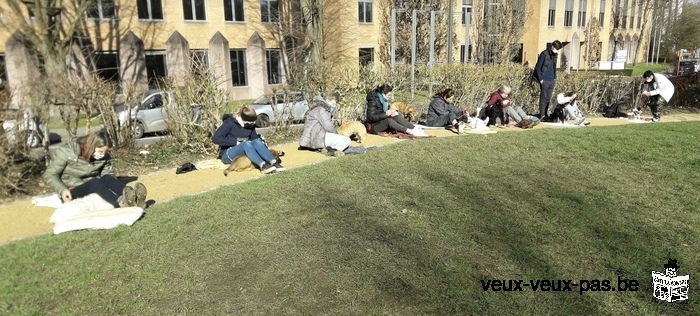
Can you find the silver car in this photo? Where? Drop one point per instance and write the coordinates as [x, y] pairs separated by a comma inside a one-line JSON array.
[[291, 106], [150, 113]]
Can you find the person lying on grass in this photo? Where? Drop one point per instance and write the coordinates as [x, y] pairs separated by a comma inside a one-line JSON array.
[[319, 129], [83, 166], [381, 118], [236, 137], [441, 112]]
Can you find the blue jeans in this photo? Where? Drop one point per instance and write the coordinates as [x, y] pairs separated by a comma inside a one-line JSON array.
[[256, 151], [107, 187]]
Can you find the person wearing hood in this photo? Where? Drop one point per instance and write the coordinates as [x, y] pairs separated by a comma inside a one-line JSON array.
[[83, 166], [441, 112], [319, 130], [545, 73], [380, 117], [656, 85], [236, 137]]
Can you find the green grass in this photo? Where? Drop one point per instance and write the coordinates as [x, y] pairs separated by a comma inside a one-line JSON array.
[[57, 123], [407, 229], [642, 67]]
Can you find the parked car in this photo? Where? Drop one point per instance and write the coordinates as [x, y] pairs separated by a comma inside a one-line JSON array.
[[149, 112], [30, 126], [290, 106], [686, 67]]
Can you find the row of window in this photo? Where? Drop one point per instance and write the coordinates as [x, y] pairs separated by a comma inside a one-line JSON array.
[[107, 65], [195, 10], [620, 20]]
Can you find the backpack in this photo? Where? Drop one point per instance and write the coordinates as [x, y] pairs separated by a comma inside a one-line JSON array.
[[612, 110]]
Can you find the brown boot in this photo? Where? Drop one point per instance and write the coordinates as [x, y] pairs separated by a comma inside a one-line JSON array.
[[140, 191], [128, 197]]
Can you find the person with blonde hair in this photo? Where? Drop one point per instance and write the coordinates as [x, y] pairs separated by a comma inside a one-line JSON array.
[[83, 166], [236, 137]]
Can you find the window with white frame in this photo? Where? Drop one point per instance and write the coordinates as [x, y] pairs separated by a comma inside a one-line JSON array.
[[238, 73], [274, 66], [366, 56], [582, 4], [156, 67], [194, 10], [463, 58], [270, 11], [569, 13], [467, 6], [364, 11], [552, 16], [233, 11], [101, 9], [601, 15], [150, 9]]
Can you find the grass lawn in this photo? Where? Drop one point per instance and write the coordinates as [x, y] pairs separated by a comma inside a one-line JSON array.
[[407, 229], [56, 122], [642, 67]]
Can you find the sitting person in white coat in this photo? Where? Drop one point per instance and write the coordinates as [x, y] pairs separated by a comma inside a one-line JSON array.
[[656, 85], [319, 129], [567, 101]]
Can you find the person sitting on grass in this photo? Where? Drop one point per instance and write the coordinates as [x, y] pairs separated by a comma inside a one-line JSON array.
[[83, 166], [319, 129], [500, 106], [567, 103], [381, 118], [441, 112], [236, 137]]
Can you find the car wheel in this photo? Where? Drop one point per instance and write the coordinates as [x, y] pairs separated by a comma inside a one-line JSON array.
[[138, 130], [262, 121], [34, 140]]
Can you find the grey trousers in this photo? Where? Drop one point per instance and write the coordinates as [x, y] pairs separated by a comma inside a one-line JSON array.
[[515, 113]]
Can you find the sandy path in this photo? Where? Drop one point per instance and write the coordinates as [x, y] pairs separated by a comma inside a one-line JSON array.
[[21, 219]]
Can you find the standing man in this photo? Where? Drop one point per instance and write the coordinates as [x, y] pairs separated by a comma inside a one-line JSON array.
[[546, 73], [656, 85]]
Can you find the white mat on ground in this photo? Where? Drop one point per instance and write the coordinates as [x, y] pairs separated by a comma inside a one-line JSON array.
[[560, 124], [429, 127], [211, 164], [636, 121], [90, 212], [477, 131]]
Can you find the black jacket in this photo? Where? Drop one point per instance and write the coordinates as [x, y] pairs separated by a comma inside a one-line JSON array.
[[375, 111], [438, 107], [231, 133]]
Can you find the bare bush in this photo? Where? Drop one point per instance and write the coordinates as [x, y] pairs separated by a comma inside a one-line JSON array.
[[196, 112], [17, 167]]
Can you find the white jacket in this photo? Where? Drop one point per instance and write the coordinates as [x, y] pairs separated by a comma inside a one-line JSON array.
[[663, 86]]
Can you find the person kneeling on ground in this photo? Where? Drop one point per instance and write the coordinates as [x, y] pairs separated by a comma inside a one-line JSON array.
[[441, 112], [656, 85], [381, 118], [83, 166], [236, 137], [319, 130], [569, 108]]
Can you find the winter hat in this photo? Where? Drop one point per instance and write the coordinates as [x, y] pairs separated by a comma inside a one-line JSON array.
[[248, 114]]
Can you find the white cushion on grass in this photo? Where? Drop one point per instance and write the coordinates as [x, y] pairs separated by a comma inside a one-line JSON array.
[[90, 203], [560, 124], [104, 219]]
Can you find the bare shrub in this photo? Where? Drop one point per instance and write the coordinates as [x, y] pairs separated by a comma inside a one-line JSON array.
[[196, 112], [17, 167]]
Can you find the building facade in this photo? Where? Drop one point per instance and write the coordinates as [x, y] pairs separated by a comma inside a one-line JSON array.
[[248, 43]]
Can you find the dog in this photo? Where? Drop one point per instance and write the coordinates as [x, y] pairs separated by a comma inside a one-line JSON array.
[[243, 163], [354, 128], [408, 111], [479, 125]]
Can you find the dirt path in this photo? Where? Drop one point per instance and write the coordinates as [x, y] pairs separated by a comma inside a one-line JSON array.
[[21, 219]]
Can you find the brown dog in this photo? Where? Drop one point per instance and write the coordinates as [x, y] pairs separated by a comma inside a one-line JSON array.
[[353, 128], [243, 163], [407, 110]]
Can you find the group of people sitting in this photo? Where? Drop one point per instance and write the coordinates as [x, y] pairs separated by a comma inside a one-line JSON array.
[[83, 166]]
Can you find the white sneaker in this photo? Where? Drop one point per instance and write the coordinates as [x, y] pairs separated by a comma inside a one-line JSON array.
[[460, 127], [419, 133]]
